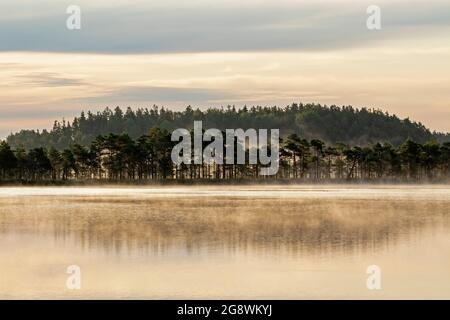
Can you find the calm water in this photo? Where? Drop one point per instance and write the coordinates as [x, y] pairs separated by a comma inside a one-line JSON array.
[[225, 242]]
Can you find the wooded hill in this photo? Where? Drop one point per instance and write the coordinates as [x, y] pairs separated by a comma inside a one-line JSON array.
[[331, 124]]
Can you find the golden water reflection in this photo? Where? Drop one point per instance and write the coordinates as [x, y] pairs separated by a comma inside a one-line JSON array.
[[116, 224], [272, 236]]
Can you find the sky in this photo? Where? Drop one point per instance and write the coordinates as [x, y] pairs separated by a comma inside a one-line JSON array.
[[211, 53]]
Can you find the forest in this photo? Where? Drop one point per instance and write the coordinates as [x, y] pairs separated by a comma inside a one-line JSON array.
[[317, 143], [119, 158], [331, 124]]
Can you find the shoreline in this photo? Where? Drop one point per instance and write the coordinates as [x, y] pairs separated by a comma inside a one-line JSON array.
[[237, 182]]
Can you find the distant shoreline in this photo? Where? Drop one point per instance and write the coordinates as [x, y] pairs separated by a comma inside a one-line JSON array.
[[238, 182]]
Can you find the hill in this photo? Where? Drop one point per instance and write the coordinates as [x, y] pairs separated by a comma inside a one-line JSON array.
[[331, 124]]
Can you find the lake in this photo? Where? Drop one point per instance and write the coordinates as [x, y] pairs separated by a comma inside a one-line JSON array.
[[231, 242]]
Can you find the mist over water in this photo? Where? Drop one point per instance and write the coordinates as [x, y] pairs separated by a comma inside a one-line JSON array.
[[225, 241]]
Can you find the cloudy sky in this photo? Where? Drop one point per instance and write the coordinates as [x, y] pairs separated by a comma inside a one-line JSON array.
[[217, 52]]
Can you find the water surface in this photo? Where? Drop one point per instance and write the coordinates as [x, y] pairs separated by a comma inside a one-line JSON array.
[[291, 242]]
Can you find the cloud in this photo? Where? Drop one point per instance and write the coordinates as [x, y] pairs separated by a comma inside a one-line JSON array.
[[304, 25], [48, 79], [10, 66], [151, 95]]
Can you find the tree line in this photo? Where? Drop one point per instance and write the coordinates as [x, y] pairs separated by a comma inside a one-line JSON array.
[[118, 157], [332, 124]]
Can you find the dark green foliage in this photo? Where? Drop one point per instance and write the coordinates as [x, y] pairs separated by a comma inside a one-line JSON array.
[[310, 121], [37, 165], [8, 160], [118, 157]]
